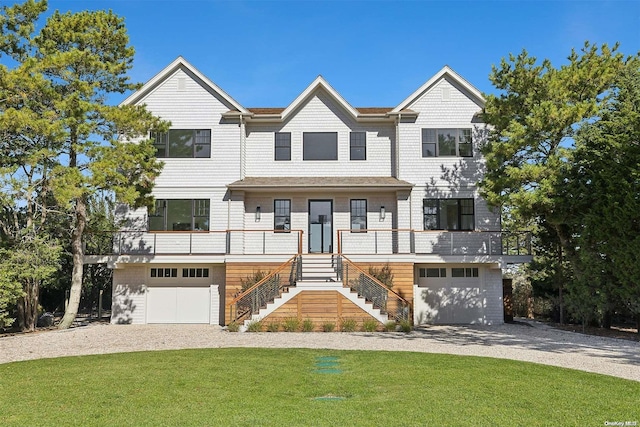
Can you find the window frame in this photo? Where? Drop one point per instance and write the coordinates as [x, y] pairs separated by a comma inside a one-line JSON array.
[[306, 143], [358, 214], [462, 138], [161, 209], [460, 204], [162, 142], [282, 145], [286, 216], [357, 142], [465, 272]]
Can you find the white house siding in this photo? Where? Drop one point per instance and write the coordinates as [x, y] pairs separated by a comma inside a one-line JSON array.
[[456, 300], [196, 108], [319, 114], [128, 295]]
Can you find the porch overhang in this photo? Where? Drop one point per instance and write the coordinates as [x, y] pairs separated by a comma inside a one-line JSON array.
[[320, 184]]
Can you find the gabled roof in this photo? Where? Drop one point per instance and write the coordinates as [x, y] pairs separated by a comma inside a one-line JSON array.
[[318, 83], [446, 71], [181, 63]]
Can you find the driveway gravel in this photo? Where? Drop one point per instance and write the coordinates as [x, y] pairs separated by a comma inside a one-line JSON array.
[[532, 342]]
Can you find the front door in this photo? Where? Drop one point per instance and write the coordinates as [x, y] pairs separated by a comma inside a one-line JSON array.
[[320, 226]]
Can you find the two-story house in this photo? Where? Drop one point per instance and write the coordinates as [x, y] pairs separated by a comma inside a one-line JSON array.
[[273, 213]]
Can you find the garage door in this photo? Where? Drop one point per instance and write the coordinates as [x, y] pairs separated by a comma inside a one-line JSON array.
[[453, 304], [178, 304]]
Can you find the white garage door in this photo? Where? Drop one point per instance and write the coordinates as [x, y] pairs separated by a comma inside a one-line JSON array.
[[178, 304]]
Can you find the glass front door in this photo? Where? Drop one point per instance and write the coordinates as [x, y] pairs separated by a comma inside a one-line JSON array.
[[320, 226]]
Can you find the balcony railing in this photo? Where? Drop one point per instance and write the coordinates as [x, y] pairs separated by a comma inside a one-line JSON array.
[[257, 242], [439, 242]]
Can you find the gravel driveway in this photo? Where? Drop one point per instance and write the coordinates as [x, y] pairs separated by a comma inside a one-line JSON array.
[[537, 343]]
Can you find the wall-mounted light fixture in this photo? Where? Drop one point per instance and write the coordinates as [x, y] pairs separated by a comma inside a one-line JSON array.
[[383, 213], [257, 213]]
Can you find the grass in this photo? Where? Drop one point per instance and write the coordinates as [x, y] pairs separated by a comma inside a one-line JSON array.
[[277, 387]]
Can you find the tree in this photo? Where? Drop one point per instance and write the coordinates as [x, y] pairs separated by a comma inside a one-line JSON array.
[[76, 61], [532, 125]]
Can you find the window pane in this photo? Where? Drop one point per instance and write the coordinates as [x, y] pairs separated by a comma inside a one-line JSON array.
[[160, 143], [457, 272], [201, 214], [203, 143], [467, 217], [358, 214], [447, 142], [156, 217], [320, 146], [283, 146], [449, 214], [181, 143], [430, 214], [282, 215], [464, 144], [443, 272], [358, 145], [423, 272], [428, 142], [179, 215], [433, 272]]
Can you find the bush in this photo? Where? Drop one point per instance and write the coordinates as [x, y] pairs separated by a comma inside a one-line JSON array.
[[307, 325], [255, 326], [233, 327], [328, 326], [291, 324], [383, 274], [390, 326], [349, 325], [370, 325], [273, 327], [252, 279], [406, 326]]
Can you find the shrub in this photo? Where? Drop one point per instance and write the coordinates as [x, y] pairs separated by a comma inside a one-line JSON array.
[[233, 327], [255, 326], [369, 325], [384, 274], [252, 279], [328, 326], [273, 327], [291, 324], [390, 326], [307, 325], [349, 325], [406, 326]]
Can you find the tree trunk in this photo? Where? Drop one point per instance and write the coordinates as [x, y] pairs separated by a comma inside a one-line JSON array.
[[78, 266], [28, 308], [560, 285]]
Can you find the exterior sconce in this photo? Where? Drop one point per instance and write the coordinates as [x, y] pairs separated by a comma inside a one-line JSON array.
[[382, 213], [257, 213]]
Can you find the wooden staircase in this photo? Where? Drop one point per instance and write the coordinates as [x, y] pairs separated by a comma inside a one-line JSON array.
[[318, 275]]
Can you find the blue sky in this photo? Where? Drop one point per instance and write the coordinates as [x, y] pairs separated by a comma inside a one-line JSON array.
[[375, 53]]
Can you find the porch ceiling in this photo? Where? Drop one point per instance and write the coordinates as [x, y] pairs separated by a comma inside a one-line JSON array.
[[321, 183]]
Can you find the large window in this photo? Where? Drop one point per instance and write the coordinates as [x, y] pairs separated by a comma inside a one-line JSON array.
[[282, 214], [358, 145], [180, 215], [320, 146], [446, 142], [358, 214], [183, 143], [283, 146], [448, 214]]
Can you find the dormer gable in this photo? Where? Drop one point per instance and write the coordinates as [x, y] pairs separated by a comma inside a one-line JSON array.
[[181, 64], [445, 73]]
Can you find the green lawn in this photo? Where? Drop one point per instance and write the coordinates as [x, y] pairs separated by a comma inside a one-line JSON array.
[[256, 387]]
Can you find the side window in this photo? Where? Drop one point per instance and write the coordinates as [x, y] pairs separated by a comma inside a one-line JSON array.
[[282, 148], [282, 214], [358, 145]]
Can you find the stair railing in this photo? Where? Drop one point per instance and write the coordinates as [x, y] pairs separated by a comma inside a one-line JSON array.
[[372, 290], [250, 301]]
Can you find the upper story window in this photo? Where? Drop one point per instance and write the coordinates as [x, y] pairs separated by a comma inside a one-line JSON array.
[[320, 146], [180, 215], [358, 145], [183, 143], [446, 142], [282, 147], [448, 214], [282, 214], [358, 214]]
